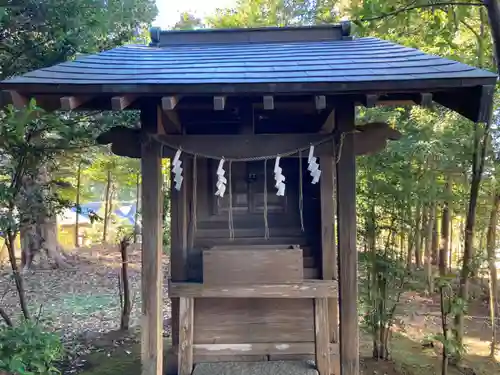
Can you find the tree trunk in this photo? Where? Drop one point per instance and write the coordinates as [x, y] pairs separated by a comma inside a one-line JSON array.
[[127, 303], [450, 252], [428, 247], [418, 231], [51, 243], [137, 198], [78, 209], [107, 207], [10, 241], [491, 251], [445, 232], [434, 242], [478, 159], [493, 8]]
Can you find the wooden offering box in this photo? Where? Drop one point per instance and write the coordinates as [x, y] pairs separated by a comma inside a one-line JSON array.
[[254, 304]]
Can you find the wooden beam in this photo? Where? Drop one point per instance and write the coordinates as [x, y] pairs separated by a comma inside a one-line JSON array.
[[320, 102], [186, 330], [219, 103], [321, 336], [119, 103], [126, 142], [152, 251], [268, 102], [18, 100], [168, 103], [329, 124], [271, 348], [247, 145], [348, 255], [371, 100], [68, 103], [424, 99], [305, 289], [328, 249]]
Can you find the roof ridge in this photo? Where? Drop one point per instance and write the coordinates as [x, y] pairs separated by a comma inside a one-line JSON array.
[[337, 31]]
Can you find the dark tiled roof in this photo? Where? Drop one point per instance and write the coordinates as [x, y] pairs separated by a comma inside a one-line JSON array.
[[339, 62]]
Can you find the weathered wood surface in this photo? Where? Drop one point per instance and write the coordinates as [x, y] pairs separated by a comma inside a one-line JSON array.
[[186, 330], [152, 274], [348, 255], [369, 139], [322, 336], [329, 265], [255, 320], [267, 348], [304, 289], [232, 267]]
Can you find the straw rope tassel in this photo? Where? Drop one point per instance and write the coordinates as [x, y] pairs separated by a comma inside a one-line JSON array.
[[266, 223]]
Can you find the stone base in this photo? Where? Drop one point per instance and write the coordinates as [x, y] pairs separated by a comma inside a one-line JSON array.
[[256, 368]]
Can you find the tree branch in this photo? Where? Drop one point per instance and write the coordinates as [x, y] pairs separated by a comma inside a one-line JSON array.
[[420, 6]]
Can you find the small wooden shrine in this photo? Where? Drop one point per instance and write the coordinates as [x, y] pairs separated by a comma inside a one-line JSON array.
[[260, 125]]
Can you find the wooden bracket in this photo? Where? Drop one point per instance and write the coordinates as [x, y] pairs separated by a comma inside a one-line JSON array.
[[68, 103], [168, 103], [119, 103], [320, 102], [219, 103], [16, 99], [268, 102]]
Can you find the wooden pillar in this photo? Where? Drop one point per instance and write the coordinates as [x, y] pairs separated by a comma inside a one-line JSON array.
[[328, 249], [348, 255], [178, 247], [321, 336], [186, 330], [152, 250]]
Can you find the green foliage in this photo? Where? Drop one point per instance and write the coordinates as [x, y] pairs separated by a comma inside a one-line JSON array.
[[451, 305], [380, 294], [27, 349]]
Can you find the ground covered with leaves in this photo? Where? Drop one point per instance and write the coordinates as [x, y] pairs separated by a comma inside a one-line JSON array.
[[82, 303]]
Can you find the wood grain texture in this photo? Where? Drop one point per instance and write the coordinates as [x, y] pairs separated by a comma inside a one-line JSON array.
[[255, 320], [152, 274], [247, 146], [303, 289], [186, 329], [232, 267], [348, 255], [321, 335], [329, 265], [267, 348]]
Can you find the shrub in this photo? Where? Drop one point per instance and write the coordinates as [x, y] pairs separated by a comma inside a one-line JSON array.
[[27, 349]]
